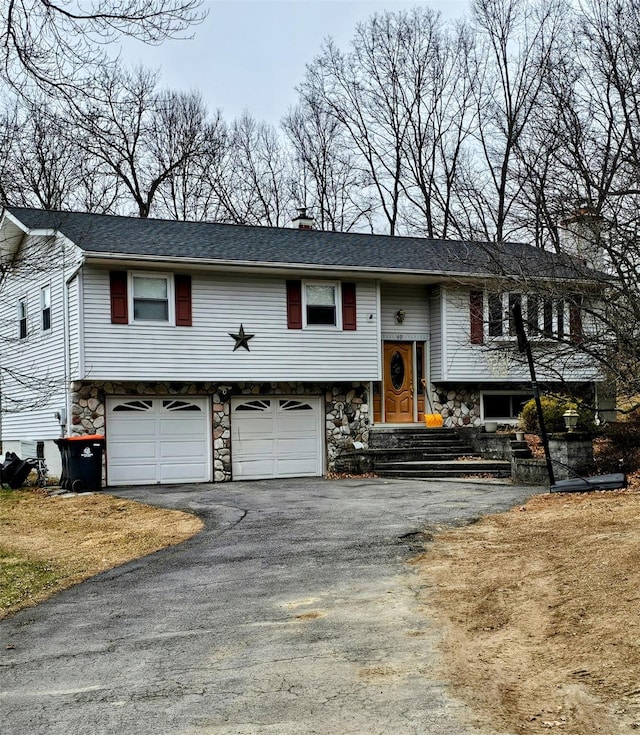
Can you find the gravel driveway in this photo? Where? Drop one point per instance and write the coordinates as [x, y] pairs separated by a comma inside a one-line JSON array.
[[292, 612]]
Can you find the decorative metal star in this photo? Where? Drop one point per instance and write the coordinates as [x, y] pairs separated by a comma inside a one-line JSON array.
[[242, 339]]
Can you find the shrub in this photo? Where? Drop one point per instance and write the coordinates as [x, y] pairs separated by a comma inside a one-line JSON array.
[[553, 408], [619, 447]]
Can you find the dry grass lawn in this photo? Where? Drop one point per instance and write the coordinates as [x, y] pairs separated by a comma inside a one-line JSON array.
[[541, 607], [50, 543]]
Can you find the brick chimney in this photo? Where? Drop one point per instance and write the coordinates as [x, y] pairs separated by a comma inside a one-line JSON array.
[[303, 221]]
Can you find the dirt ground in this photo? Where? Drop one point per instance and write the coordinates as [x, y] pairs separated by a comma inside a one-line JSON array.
[[541, 611], [82, 535]]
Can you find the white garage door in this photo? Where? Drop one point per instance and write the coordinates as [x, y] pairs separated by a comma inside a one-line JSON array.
[[158, 440], [275, 436]]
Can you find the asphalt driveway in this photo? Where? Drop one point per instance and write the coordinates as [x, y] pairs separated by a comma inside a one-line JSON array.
[[294, 611]]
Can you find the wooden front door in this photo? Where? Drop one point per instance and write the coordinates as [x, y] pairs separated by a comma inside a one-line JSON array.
[[398, 382]]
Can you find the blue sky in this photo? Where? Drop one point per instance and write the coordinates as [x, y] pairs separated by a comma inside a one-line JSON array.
[[250, 54]]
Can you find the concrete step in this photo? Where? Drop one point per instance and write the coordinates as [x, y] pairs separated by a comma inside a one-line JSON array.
[[401, 437], [420, 454], [460, 468], [433, 446]]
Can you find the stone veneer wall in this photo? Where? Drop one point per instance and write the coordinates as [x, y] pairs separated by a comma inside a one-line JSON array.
[[458, 405], [346, 411]]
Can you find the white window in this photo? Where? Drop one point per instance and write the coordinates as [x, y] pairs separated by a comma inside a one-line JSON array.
[[45, 308], [321, 304], [151, 298], [544, 317], [22, 318]]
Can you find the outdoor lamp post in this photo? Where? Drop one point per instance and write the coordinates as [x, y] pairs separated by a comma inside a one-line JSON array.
[[570, 417]]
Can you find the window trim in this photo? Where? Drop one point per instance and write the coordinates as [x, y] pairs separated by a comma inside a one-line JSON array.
[[23, 318], [337, 292], [160, 275], [46, 289]]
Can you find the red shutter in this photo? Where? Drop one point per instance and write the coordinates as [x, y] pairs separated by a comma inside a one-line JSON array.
[[294, 304], [183, 300], [476, 314], [575, 323], [119, 301], [349, 320]]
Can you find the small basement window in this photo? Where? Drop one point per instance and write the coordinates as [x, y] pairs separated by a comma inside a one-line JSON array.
[[503, 406]]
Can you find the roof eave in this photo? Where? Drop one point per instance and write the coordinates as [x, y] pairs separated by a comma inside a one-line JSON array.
[[275, 267]]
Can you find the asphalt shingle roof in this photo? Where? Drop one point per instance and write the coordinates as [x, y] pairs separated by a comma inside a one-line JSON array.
[[110, 234]]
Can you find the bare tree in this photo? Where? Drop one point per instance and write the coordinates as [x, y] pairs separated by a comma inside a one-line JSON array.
[[519, 39], [329, 183], [440, 82], [363, 90], [253, 180], [44, 162], [141, 137], [405, 100], [55, 44]]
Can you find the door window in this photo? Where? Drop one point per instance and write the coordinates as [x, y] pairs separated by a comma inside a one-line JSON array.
[[397, 370]]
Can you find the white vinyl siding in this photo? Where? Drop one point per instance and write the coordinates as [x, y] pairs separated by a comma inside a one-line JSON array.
[[39, 387], [221, 303], [413, 301], [488, 363]]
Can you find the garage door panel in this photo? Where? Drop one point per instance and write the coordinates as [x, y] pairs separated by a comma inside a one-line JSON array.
[[305, 446], [276, 437], [292, 468], [178, 473], [182, 449], [257, 446], [295, 424], [171, 427], [157, 440], [134, 474], [255, 427], [135, 427], [255, 469], [133, 453]]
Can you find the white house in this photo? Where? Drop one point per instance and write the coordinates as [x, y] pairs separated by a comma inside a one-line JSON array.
[[210, 352]]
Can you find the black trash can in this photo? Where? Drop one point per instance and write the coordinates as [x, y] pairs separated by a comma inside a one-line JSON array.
[[81, 462], [9, 467]]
